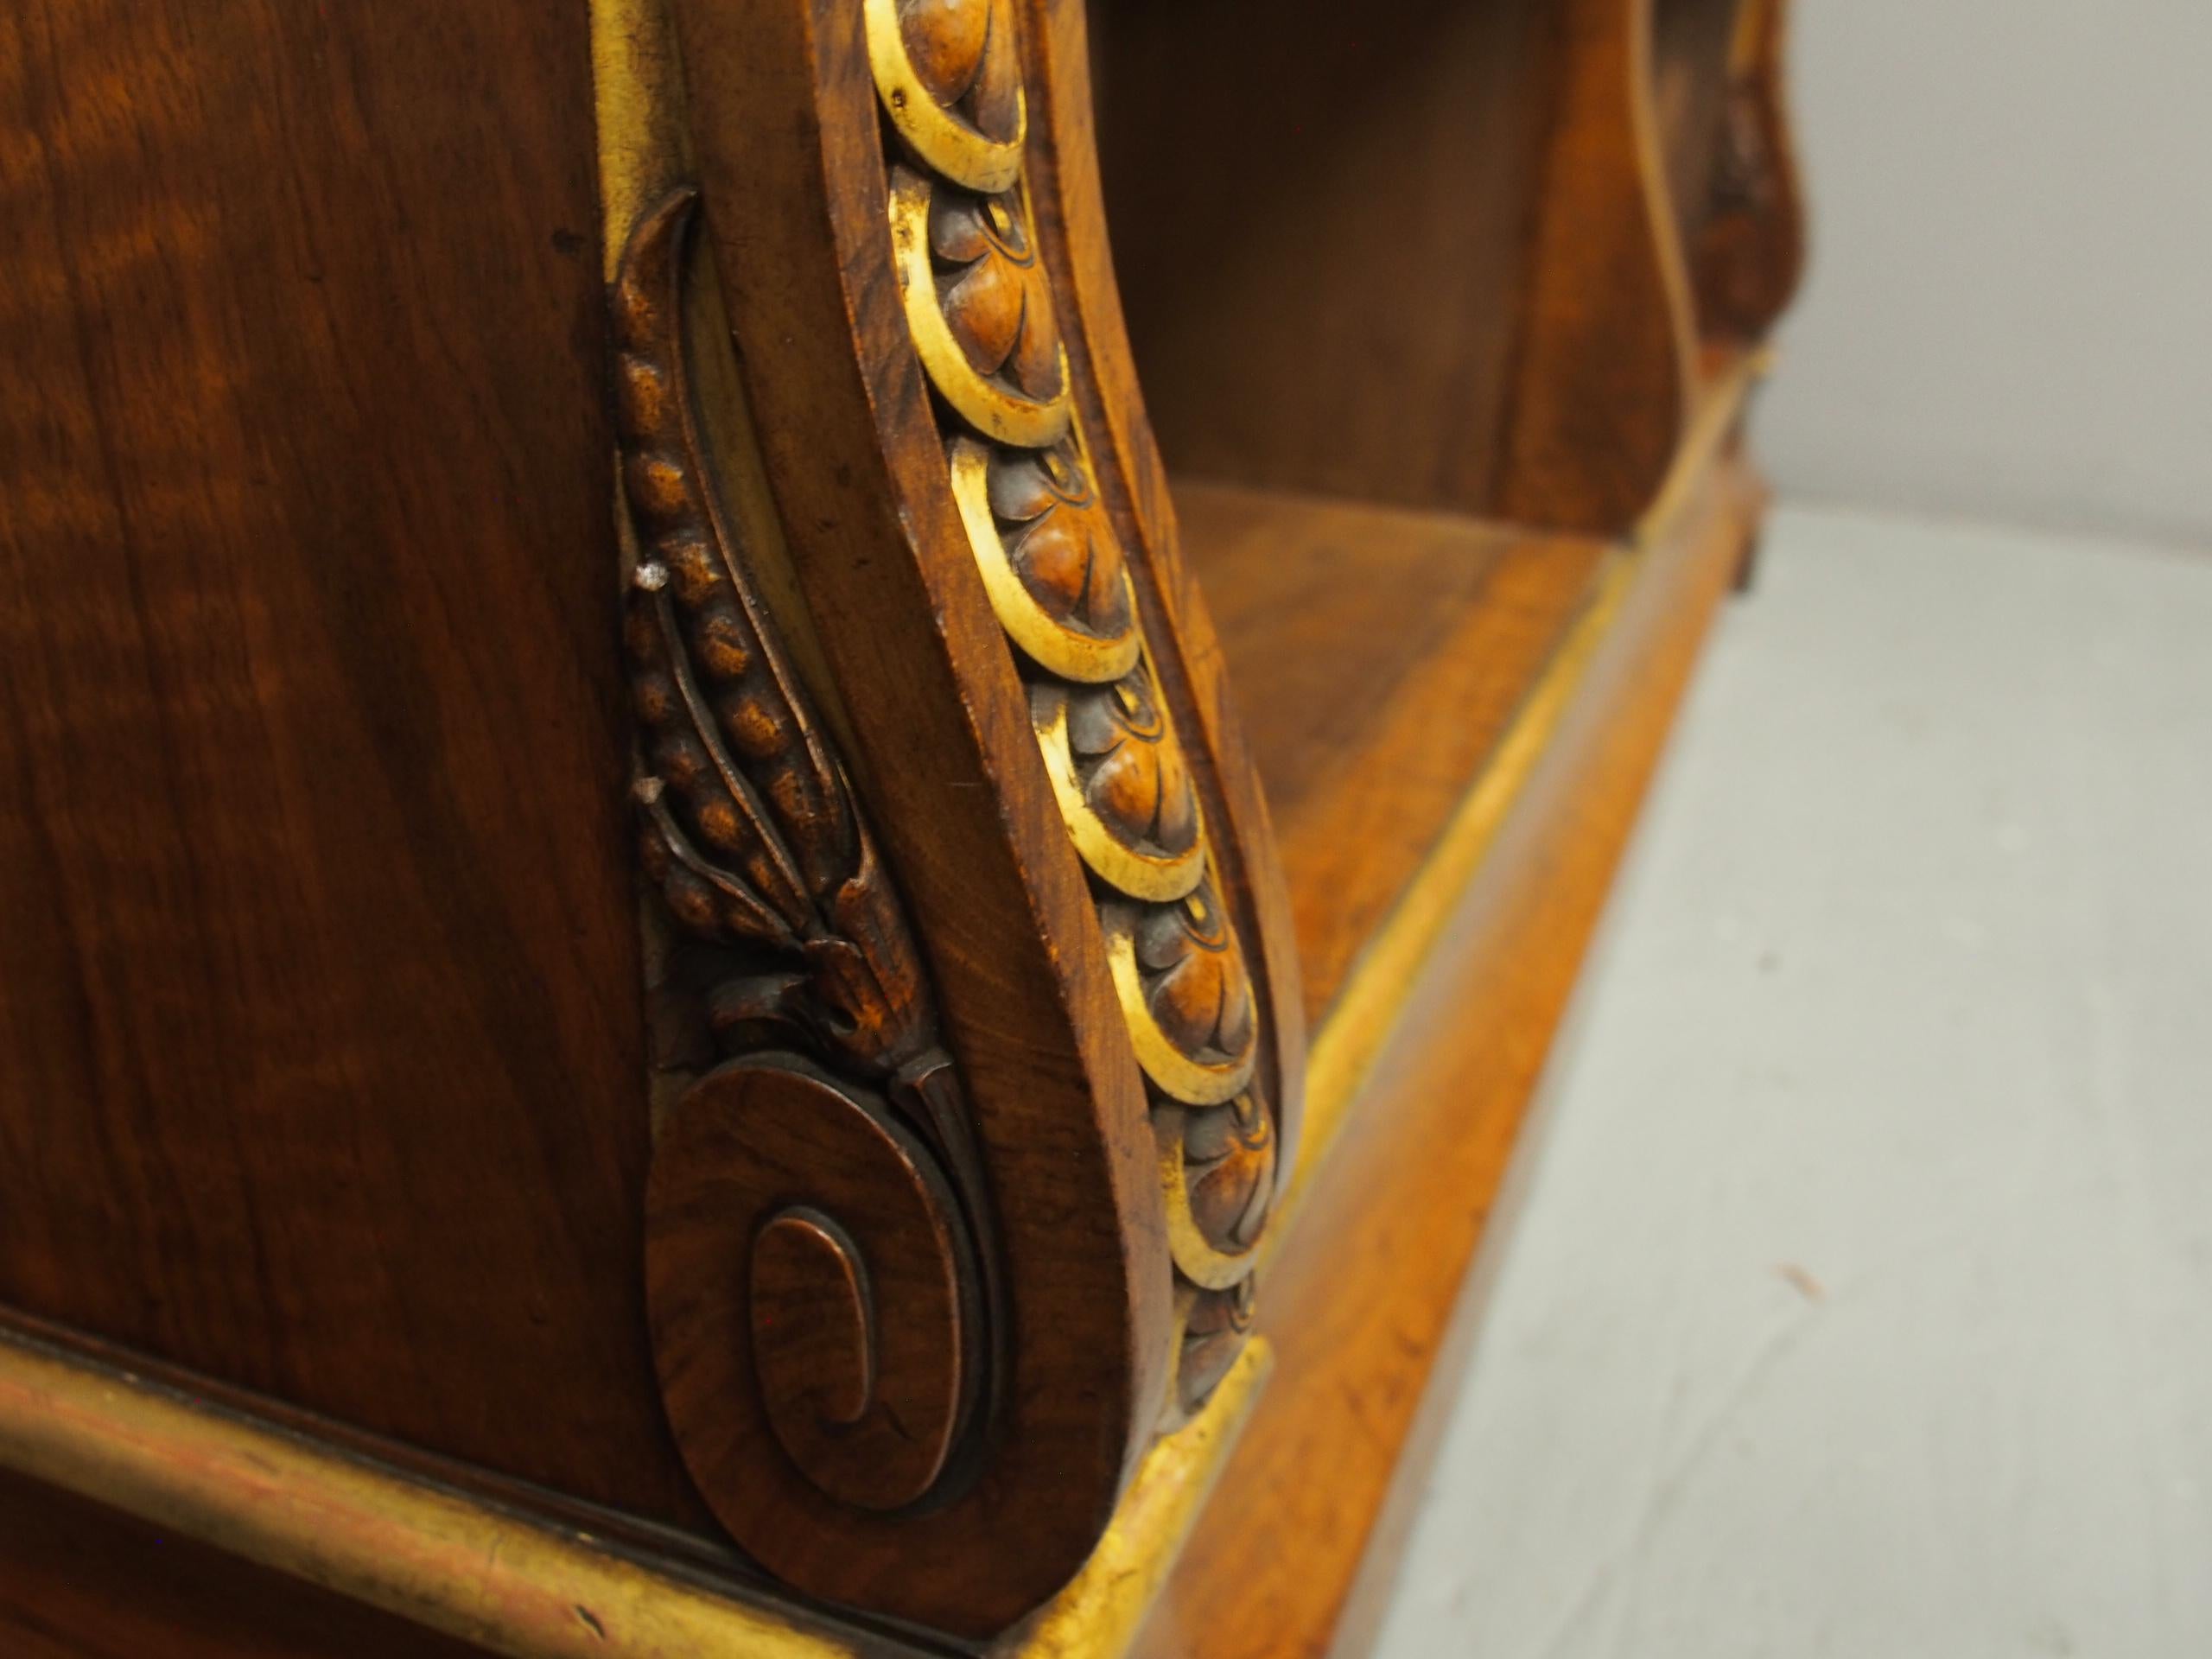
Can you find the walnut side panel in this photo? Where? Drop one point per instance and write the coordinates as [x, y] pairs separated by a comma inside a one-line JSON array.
[[320, 1041]]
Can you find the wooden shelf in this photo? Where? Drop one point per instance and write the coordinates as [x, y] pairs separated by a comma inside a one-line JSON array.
[[1379, 655], [1498, 630]]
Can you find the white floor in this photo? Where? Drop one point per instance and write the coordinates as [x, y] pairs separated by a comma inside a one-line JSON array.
[[1861, 1304]]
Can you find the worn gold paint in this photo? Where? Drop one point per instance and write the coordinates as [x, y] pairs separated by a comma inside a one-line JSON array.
[[1190, 1081], [1098, 1616], [515, 1584], [938, 137], [638, 97], [988, 407], [1160, 878], [455, 1564], [1194, 1253], [1054, 644]]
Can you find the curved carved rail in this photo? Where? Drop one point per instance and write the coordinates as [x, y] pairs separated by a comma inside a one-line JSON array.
[[984, 319]]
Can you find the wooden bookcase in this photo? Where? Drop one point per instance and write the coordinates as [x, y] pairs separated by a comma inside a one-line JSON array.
[[758, 901]]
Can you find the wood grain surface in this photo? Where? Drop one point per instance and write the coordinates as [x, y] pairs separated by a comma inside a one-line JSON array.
[[1604, 372], [1320, 228], [321, 1045]]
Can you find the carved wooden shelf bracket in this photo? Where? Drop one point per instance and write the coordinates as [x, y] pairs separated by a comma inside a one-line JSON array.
[[849, 1301]]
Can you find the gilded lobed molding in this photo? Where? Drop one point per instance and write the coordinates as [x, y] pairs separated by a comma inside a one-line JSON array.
[[983, 320]]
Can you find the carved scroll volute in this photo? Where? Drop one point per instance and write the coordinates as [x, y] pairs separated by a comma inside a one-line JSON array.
[[821, 1266], [1054, 778], [1750, 255], [1060, 1305]]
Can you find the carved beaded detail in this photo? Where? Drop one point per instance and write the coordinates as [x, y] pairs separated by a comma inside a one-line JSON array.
[[1195, 984], [980, 311], [1049, 555], [1229, 1163], [1133, 772]]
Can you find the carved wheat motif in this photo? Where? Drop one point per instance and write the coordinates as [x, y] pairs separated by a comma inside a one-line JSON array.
[[818, 1210], [749, 825]]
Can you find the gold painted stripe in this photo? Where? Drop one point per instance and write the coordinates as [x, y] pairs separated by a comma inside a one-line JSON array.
[[514, 1585], [637, 104], [1098, 1616]]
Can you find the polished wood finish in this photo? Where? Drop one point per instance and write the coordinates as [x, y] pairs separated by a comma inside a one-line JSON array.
[[321, 1035], [1317, 227], [1382, 653], [1417, 253], [1604, 376]]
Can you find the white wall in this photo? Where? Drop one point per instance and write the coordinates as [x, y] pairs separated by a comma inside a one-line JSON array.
[[2010, 310]]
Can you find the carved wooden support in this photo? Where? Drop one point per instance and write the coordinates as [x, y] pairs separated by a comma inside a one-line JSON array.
[[1750, 255], [982, 1105]]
